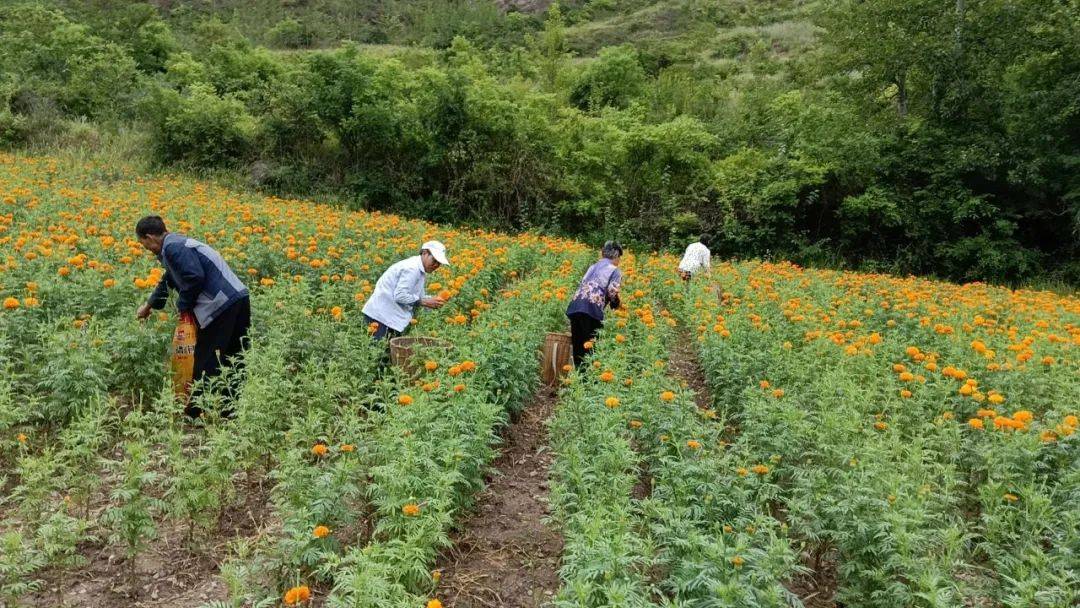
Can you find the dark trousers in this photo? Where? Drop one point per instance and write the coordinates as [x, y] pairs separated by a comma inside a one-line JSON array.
[[582, 329], [382, 332], [221, 343]]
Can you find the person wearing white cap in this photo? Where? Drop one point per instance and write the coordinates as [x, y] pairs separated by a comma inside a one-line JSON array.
[[400, 290]]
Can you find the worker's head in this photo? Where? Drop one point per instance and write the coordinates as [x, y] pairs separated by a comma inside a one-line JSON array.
[[433, 255], [704, 239], [151, 231], [612, 251]]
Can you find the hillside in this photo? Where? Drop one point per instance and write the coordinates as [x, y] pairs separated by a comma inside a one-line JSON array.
[[897, 136]]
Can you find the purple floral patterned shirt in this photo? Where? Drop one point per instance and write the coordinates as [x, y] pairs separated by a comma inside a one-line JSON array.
[[598, 288]]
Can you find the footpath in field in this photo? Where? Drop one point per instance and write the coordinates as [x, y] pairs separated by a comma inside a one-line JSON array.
[[506, 555]]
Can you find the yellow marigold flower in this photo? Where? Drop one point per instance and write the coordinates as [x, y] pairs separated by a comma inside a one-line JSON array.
[[737, 561], [996, 398], [612, 402], [1011, 497], [667, 396], [434, 604], [635, 424]]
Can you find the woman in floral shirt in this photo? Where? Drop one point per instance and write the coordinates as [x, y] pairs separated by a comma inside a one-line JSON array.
[[599, 288]]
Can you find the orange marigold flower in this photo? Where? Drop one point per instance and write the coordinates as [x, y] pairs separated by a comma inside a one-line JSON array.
[[607, 376], [693, 445], [458, 388], [411, 510], [737, 561], [567, 367], [985, 413], [588, 345], [905, 393], [764, 384], [319, 449], [1023, 416], [881, 426], [996, 398], [635, 424], [468, 366], [975, 423], [405, 399], [21, 437], [297, 595], [11, 303], [431, 366], [778, 393], [321, 532], [1070, 421], [667, 396], [434, 604], [455, 370], [347, 447], [741, 471], [760, 469]]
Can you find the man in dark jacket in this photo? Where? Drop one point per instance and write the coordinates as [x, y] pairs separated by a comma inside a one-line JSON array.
[[208, 290]]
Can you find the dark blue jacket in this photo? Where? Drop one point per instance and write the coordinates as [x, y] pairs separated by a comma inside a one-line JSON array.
[[206, 284]]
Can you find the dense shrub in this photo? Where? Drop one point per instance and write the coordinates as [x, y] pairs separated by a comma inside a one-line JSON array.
[[614, 79], [199, 127], [56, 63]]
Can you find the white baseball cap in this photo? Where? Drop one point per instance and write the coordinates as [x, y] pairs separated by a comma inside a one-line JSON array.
[[438, 251]]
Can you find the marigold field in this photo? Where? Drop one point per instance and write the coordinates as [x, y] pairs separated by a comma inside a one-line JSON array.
[[857, 439]]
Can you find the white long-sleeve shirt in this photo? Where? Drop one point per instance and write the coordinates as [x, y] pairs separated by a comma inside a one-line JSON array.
[[397, 293], [696, 258]]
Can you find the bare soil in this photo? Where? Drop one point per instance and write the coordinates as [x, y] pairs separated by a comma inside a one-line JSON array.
[[171, 572], [505, 555], [524, 6]]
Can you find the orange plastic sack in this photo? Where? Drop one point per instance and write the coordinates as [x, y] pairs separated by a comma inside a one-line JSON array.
[[183, 356]]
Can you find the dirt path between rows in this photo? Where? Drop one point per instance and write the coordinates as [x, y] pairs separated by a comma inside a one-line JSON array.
[[505, 555]]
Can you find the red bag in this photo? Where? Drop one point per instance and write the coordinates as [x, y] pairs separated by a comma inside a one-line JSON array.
[[182, 361]]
